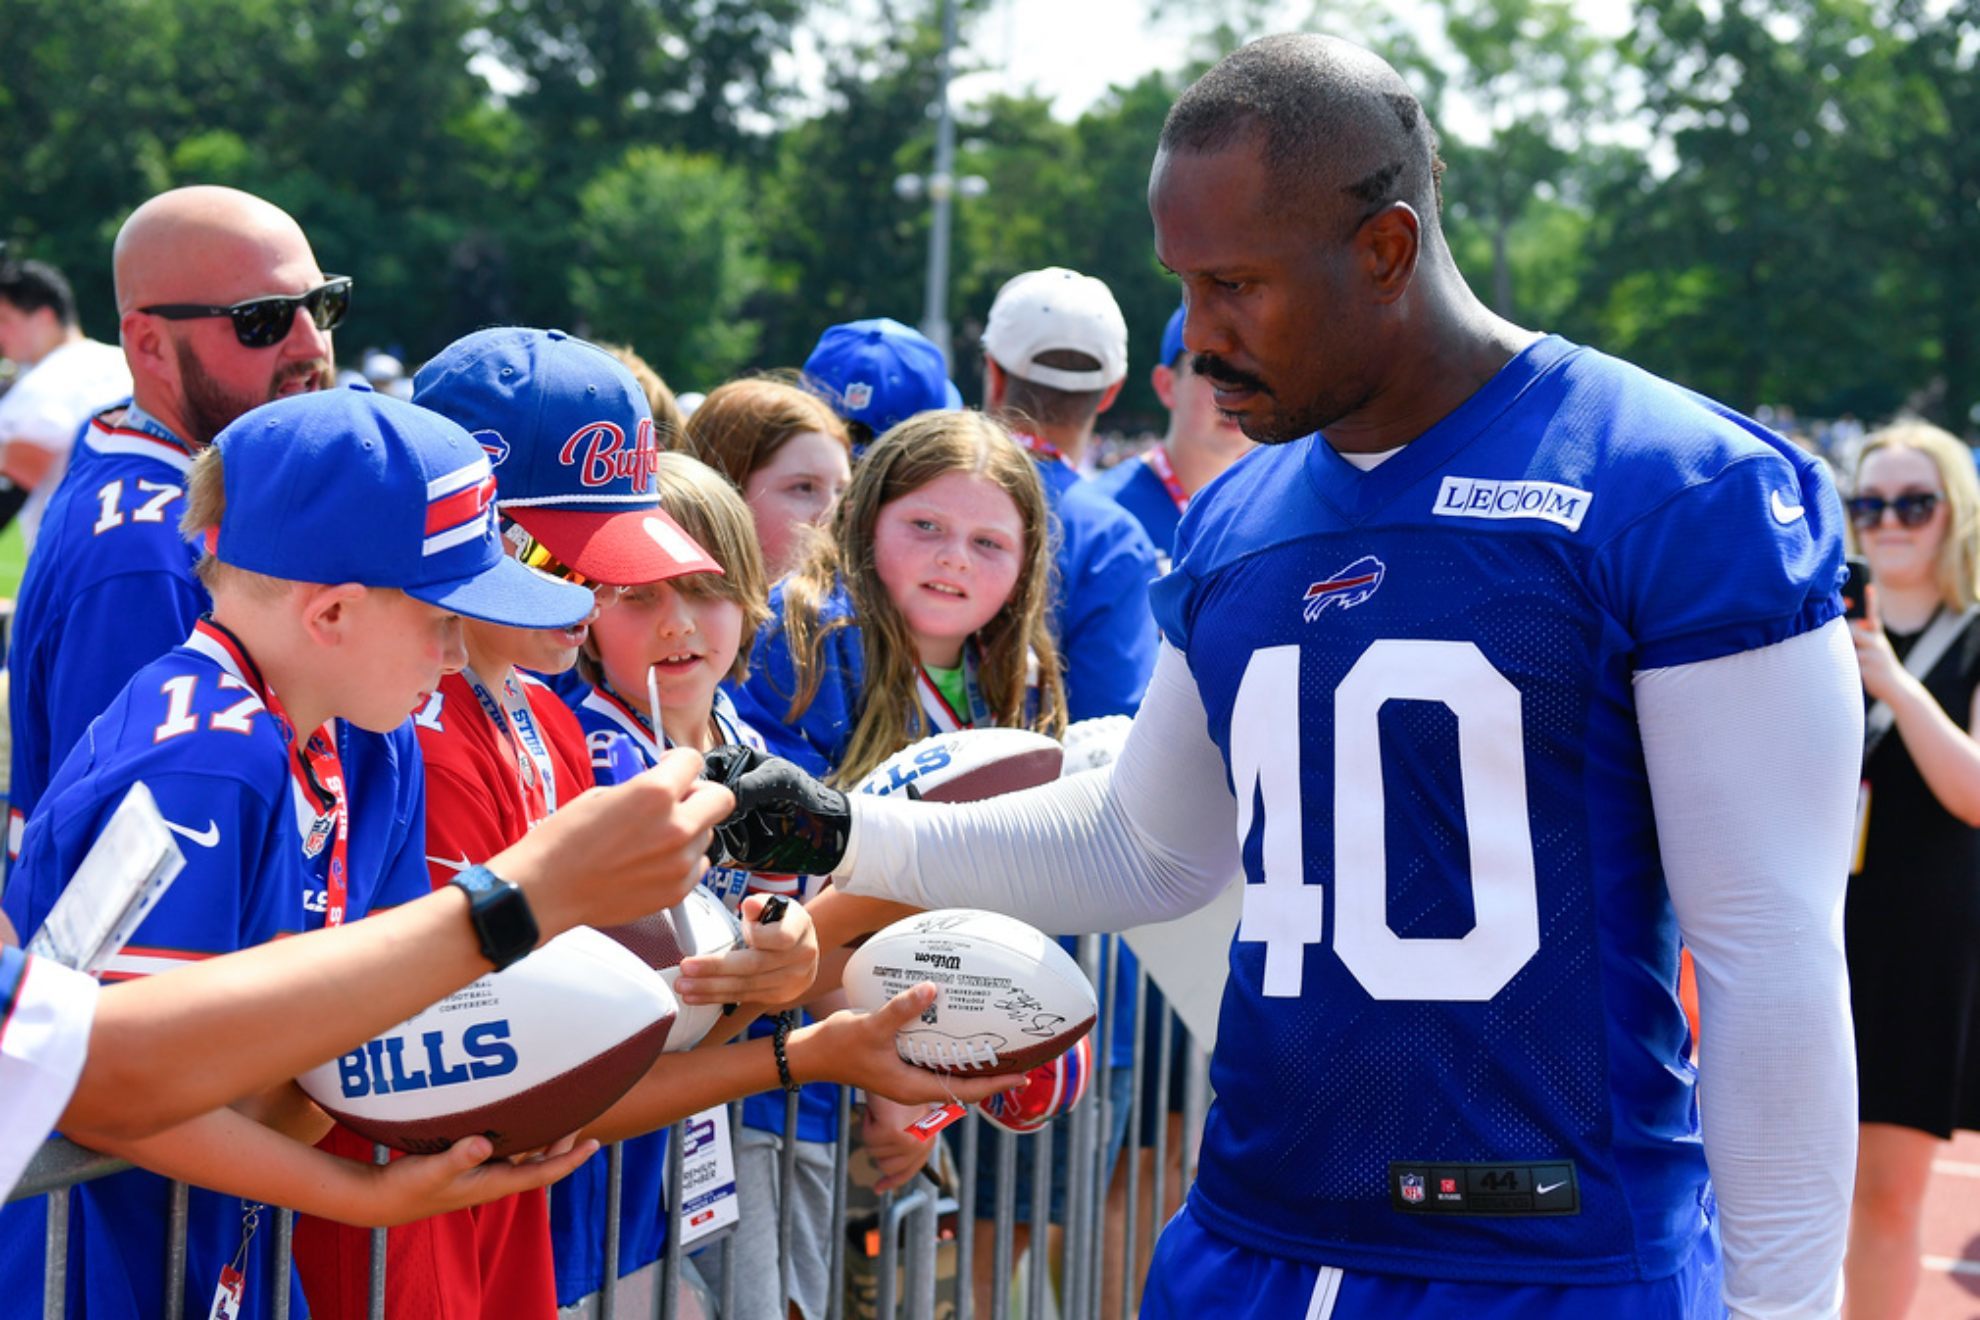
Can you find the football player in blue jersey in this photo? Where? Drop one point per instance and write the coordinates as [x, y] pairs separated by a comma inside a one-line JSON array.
[[222, 307], [1524, 666]]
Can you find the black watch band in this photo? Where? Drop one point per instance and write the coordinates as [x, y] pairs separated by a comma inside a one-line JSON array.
[[500, 913]]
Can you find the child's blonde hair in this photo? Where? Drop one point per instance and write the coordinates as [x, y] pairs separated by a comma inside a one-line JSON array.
[[903, 460], [206, 501], [710, 511]]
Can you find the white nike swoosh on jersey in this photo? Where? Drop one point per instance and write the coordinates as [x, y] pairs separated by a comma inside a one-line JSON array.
[[1784, 513], [1541, 1189], [205, 838], [449, 863]]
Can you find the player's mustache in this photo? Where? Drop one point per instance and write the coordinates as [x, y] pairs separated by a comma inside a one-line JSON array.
[[1220, 372]]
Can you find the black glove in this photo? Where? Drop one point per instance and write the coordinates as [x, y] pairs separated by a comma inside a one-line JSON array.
[[785, 822]]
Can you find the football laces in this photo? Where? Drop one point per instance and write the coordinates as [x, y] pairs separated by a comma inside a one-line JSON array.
[[949, 1054]]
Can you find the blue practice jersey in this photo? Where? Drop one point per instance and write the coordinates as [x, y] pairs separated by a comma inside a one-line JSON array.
[[1134, 486], [191, 727], [1104, 565], [1451, 1044], [109, 589], [818, 737]]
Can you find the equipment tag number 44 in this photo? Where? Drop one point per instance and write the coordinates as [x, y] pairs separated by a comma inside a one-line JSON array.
[[1286, 914]]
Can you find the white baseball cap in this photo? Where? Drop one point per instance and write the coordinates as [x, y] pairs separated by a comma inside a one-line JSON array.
[[1054, 309]]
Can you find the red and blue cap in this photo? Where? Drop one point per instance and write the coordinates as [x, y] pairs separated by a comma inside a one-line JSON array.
[[879, 372], [350, 486], [568, 433]]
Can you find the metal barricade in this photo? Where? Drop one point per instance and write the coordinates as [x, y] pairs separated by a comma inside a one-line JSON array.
[[911, 1230]]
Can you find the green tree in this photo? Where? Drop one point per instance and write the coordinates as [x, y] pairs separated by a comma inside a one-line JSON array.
[[669, 259]]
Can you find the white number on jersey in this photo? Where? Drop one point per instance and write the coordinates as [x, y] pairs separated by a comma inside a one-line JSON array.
[[110, 498], [179, 692], [1284, 912]]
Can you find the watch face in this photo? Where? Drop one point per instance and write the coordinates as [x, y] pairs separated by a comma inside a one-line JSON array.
[[508, 924]]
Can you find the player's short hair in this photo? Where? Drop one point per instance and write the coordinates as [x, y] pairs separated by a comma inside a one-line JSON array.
[[913, 453], [1959, 554], [669, 422], [206, 501], [740, 426], [712, 513], [1338, 124], [1028, 405], [32, 285]]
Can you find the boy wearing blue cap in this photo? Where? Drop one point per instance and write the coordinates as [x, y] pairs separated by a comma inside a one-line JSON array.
[[346, 537], [877, 373], [570, 444]]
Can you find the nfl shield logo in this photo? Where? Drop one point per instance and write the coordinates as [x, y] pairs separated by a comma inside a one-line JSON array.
[[858, 394], [1412, 1187]]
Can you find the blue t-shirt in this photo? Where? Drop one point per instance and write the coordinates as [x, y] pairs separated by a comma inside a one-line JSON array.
[[108, 590], [1104, 564], [1454, 986], [577, 1204], [192, 728], [1135, 487]]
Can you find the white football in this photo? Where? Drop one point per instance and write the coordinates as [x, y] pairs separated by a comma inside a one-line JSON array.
[[968, 765], [523, 1056], [699, 923], [1010, 998], [1093, 743]]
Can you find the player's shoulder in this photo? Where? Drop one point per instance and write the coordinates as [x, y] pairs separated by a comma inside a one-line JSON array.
[[186, 709], [1112, 481], [1625, 443]]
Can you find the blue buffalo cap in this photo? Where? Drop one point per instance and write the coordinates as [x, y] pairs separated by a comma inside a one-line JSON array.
[[351, 486], [879, 372], [570, 437], [1172, 344]]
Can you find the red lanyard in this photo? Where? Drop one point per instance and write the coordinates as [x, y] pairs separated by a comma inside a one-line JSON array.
[[1043, 448], [515, 724], [317, 770], [1157, 459]]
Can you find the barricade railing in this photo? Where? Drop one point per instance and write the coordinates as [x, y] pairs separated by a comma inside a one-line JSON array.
[[910, 1230]]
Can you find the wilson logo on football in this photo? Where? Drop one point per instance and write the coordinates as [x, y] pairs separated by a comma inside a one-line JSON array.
[[1347, 588]]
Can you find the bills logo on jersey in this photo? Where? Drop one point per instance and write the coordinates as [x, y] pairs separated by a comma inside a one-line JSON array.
[[1412, 1187], [493, 445], [1347, 588]]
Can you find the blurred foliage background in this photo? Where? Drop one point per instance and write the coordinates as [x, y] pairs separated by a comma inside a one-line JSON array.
[[1773, 203]]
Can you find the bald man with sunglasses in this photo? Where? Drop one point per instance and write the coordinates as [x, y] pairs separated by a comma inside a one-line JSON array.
[[222, 307]]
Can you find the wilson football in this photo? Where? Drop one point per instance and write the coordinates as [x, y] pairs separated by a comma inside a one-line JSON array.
[[1010, 998], [523, 1056], [968, 765], [699, 923]]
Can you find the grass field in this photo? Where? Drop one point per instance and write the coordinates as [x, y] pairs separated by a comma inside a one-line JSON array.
[[13, 558]]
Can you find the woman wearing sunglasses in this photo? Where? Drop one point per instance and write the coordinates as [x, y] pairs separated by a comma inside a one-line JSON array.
[[1912, 918]]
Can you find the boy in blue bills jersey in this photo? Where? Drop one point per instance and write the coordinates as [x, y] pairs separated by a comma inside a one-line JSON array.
[[345, 535], [1518, 664]]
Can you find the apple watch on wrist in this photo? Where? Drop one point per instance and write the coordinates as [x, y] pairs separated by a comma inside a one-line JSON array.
[[501, 915]]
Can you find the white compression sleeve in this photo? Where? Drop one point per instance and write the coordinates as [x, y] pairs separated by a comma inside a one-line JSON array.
[[1146, 839], [1752, 761]]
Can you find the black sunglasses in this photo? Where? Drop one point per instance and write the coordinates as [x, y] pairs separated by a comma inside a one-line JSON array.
[[265, 322], [1914, 510]]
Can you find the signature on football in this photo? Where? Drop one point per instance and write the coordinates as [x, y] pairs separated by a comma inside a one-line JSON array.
[[1029, 1014]]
